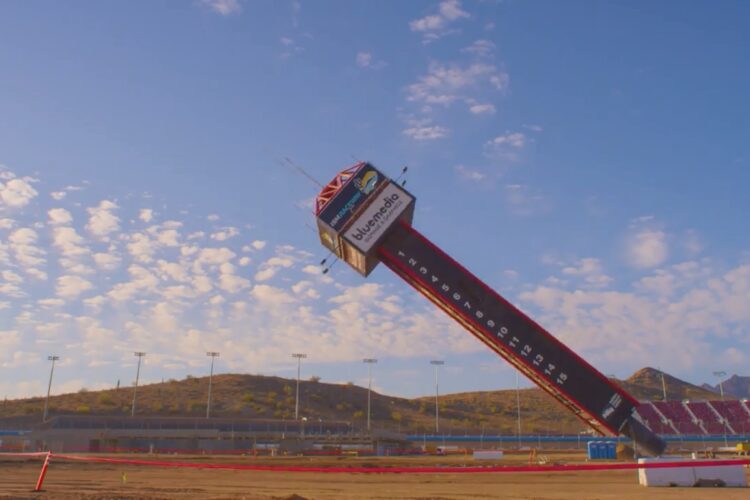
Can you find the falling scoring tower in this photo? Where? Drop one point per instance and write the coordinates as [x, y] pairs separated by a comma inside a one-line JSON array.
[[365, 218]]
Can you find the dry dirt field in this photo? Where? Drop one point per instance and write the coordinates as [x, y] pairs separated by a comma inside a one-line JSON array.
[[100, 481]]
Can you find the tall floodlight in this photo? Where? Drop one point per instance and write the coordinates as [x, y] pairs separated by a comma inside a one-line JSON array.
[[663, 386], [437, 363], [137, 376], [721, 375], [49, 386], [213, 355], [518, 411], [300, 356], [370, 362]]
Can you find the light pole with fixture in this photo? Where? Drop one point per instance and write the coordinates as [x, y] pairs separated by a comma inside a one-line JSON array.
[[140, 355], [370, 362], [721, 375], [49, 386], [437, 364], [213, 355], [300, 356]]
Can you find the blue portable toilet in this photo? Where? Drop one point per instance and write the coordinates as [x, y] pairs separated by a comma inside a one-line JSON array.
[[602, 450], [592, 448], [611, 450]]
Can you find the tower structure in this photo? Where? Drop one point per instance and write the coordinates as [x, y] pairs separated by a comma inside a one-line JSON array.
[[365, 218]]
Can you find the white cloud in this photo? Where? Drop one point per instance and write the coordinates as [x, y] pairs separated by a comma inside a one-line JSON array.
[[258, 244], [482, 109], [59, 216], [141, 247], [366, 60], [426, 133], [223, 7], [434, 26], [232, 283], [102, 220], [212, 258], [515, 139], [58, 195], [69, 287], [11, 277], [647, 248], [69, 242], [35, 273], [146, 215], [290, 47], [107, 261], [225, 234], [445, 83], [271, 296], [363, 59], [590, 269], [142, 281], [669, 318], [470, 174], [51, 302], [6, 223], [23, 245], [17, 192], [482, 48]]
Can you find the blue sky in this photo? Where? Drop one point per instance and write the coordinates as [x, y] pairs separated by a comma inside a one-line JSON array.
[[587, 159]]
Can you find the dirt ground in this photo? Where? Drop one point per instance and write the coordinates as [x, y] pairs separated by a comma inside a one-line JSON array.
[[92, 480]]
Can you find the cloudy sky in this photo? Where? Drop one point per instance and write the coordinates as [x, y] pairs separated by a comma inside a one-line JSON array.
[[587, 159]]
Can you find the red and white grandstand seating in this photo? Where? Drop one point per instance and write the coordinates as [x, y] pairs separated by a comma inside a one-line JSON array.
[[736, 415], [681, 418], [696, 417], [654, 420], [711, 421]]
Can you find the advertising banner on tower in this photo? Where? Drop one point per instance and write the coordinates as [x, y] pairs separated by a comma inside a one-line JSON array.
[[356, 191], [377, 217]]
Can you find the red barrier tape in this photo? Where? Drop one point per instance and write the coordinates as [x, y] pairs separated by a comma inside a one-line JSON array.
[[399, 470]]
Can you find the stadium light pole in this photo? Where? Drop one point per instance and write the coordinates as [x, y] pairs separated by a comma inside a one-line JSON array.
[[213, 355], [518, 411], [663, 385], [140, 355], [370, 362], [720, 375], [300, 356], [437, 364], [49, 386]]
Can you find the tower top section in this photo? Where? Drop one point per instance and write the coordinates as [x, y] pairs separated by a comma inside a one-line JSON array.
[[355, 212]]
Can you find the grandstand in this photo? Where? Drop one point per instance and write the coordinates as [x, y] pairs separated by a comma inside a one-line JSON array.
[[654, 420], [708, 418], [696, 418]]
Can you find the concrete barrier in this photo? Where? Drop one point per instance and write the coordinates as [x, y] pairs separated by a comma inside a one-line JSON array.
[[720, 475]]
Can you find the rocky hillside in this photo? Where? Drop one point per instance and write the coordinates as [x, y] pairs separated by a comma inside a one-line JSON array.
[[254, 396]]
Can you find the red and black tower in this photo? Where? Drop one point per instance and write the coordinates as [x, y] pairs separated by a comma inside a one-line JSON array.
[[365, 218]]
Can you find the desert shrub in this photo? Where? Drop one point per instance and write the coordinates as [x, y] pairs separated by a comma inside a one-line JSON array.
[[105, 399]]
